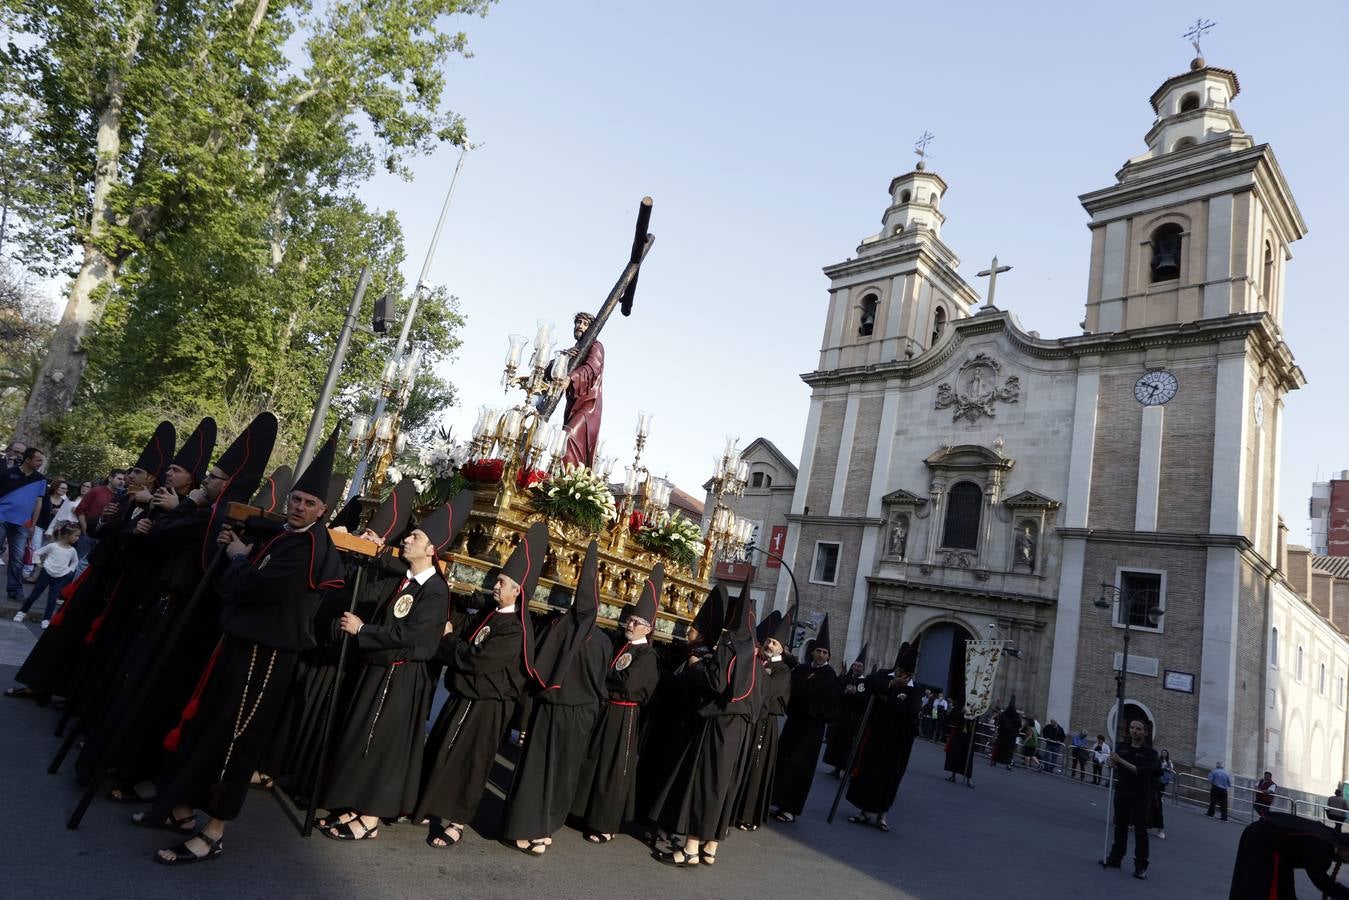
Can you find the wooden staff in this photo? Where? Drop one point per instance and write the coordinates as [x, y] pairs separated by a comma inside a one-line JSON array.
[[852, 758]]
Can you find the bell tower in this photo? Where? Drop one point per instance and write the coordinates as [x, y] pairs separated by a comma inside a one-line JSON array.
[[894, 300], [1198, 226]]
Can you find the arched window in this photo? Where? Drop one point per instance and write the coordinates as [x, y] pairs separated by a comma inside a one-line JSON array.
[[905, 196], [933, 198], [1189, 102], [1267, 273], [938, 323], [761, 480], [1299, 663], [866, 323], [963, 508], [1321, 680], [1166, 252], [1274, 648], [1183, 143]]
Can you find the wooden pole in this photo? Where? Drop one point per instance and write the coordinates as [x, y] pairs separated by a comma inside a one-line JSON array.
[[852, 758]]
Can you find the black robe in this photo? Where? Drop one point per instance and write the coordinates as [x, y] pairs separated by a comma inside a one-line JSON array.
[[843, 730], [959, 752], [484, 672], [606, 789], [56, 663], [665, 725], [699, 791], [270, 600], [377, 762], [557, 737], [1271, 851], [813, 704], [883, 756], [756, 787]]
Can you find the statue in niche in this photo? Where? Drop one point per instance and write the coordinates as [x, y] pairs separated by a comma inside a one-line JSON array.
[[899, 535], [1026, 540]]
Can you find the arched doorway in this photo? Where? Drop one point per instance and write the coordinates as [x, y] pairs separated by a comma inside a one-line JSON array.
[[941, 659], [1133, 709]]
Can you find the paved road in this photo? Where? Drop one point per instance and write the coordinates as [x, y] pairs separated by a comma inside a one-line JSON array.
[[1018, 834]]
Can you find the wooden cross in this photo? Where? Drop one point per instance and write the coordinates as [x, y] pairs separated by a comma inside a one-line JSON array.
[[992, 274], [1197, 31]]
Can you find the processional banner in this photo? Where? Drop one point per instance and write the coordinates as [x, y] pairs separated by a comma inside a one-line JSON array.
[[981, 665]]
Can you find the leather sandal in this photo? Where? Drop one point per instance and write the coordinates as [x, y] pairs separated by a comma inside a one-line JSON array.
[[183, 855]]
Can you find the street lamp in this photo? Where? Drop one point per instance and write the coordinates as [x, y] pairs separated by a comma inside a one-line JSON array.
[[796, 598], [1109, 597]]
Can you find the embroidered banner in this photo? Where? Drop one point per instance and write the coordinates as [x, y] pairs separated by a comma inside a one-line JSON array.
[[981, 666]]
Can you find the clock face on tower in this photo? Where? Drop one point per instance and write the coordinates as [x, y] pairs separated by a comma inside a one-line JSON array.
[[1155, 388]]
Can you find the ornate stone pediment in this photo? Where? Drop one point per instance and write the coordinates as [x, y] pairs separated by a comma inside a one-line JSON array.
[[1030, 500], [976, 389], [902, 497]]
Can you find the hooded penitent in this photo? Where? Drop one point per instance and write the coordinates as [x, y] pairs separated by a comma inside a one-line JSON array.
[[822, 636], [243, 463], [196, 451], [768, 627], [649, 603], [348, 517], [443, 524], [862, 657], [711, 617], [564, 638], [273, 490], [907, 660], [524, 567], [316, 479], [158, 451], [740, 632], [786, 625]]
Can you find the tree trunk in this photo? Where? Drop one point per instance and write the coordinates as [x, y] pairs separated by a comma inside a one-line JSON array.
[[54, 392]]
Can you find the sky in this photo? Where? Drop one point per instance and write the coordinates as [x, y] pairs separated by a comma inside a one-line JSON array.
[[767, 135]]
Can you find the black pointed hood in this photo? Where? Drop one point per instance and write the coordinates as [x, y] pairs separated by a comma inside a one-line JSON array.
[[443, 524], [862, 656], [245, 460], [769, 626], [524, 567], [316, 479], [711, 617], [348, 517], [740, 616], [907, 658], [392, 516], [154, 458], [822, 636], [564, 638], [648, 605], [195, 453], [742, 671], [337, 483], [272, 492]]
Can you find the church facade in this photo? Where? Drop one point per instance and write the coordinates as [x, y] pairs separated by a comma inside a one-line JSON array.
[[962, 478]]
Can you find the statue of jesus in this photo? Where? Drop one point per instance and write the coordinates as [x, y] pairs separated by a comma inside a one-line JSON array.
[[585, 382]]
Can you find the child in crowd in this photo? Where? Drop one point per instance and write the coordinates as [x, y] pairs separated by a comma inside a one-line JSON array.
[[59, 560]]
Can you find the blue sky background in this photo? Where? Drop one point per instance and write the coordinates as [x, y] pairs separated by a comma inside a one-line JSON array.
[[767, 134]]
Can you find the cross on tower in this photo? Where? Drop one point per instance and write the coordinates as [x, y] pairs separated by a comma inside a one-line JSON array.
[[920, 146], [991, 273], [1196, 33]]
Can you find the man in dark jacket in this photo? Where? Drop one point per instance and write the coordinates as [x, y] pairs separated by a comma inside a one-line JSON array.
[[1136, 769]]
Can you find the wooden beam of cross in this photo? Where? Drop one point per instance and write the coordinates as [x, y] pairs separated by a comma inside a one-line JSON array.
[[991, 273], [1197, 31]]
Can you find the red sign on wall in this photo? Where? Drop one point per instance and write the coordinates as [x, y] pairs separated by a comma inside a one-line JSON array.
[[777, 542]]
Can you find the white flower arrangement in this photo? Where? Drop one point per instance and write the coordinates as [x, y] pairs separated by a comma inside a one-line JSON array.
[[578, 494], [673, 536]]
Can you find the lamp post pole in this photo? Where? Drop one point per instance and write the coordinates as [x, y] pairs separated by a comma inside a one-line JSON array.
[[796, 595]]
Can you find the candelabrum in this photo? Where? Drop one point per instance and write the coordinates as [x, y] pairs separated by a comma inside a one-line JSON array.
[[379, 440], [548, 371], [727, 535]]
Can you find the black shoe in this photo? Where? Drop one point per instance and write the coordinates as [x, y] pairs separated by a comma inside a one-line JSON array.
[[1141, 874], [1107, 864]]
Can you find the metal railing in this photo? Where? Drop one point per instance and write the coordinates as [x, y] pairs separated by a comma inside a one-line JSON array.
[[1055, 758]]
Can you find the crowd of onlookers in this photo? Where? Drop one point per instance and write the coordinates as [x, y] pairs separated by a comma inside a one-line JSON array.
[[46, 546]]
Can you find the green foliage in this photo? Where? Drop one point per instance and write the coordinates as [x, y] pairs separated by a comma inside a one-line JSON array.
[[242, 133]]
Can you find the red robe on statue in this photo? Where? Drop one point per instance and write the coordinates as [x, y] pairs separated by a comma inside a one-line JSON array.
[[584, 402]]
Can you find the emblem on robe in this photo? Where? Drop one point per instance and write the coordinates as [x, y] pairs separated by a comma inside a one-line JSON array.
[[266, 559], [623, 662], [976, 389], [402, 606], [481, 635]]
